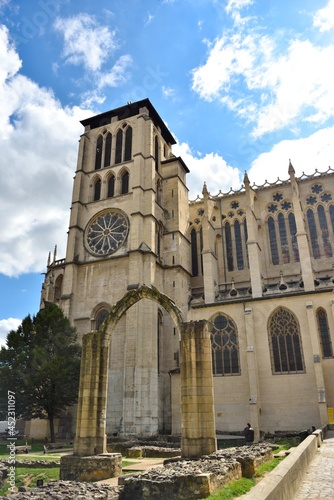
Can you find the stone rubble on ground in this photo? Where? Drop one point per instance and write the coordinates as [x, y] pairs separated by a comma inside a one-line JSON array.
[[217, 464]]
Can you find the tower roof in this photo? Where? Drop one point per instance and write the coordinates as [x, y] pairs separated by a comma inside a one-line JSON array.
[[130, 109]]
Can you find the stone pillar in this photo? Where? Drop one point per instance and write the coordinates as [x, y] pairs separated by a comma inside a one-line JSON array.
[[319, 376], [90, 436], [301, 235], [254, 250], [197, 401], [254, 389]]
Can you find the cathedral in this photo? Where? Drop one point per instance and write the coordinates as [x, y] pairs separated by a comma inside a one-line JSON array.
[[256, 263]]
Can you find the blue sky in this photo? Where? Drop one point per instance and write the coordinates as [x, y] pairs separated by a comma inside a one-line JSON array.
[[243, 85]]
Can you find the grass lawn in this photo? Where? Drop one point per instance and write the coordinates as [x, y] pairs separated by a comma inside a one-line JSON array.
[[243, 485]]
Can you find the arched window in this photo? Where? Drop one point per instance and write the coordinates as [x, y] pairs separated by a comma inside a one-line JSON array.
[[156, 153], [283, 238], [128, 144], [225, 346], [324, 333], [238, 245], [101, 315], [313, 233], [246, 239], [58, 287], [324, 231], [111, 186], [331, 215], [119, 145], [125, 183], [107, 150], [98, 153], [229, 248], [194, 256], [273, 241], [97, 189], [196, 252], [293, 232], [285, 343]]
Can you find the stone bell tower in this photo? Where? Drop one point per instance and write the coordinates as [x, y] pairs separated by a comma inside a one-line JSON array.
[[128, 227]]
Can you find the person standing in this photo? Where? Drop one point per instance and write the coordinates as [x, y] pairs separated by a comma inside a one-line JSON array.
[[249, 434]]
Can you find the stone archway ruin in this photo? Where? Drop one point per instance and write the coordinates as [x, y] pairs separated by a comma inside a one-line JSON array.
[[197, 403]]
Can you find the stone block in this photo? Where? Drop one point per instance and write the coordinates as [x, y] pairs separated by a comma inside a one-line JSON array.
[[135, 452], [92, 468]]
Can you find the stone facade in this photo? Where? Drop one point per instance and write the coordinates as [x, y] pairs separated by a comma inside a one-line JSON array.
[[256, 264]]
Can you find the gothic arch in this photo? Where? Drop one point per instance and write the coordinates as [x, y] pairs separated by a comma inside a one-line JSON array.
[[196, 391], [133, 296]]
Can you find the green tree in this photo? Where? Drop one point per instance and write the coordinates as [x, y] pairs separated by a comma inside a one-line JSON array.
[[41, 365]]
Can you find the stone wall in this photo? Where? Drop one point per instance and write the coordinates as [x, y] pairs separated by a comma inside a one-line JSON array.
[[94, 468]]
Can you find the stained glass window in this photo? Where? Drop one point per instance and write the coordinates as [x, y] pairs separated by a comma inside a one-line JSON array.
[[324, 333], [283, 238], [194, 258], [111, 186], [156, 153], [278, 197], [273, 241], [125, 183], [107, 151], [98, 152], [293, 232], [313, 233], [272, 208], [229, 248], [225, 346], [324, 231], [238, 245], [326, 197], [119, 145], [97, 189], [285, 343], [317, 188], [128, 144]]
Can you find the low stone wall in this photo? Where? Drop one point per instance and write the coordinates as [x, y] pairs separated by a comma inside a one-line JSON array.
[[191, 479], [284, 480], [94, 468], [67, 490], [179, 479], [148, 451], [35, 464]]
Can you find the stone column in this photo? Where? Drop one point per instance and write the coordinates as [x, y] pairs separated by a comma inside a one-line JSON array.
[[90, 436], [254, 250], [197, 401], [319, 376], [253, 378]]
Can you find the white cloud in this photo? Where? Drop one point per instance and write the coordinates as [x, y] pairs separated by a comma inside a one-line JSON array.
[[38, 147], [210, 168], [324, 18], [307, 154], [86, 41], [267, 85], [6, 325], [237, 4], [168, 92]]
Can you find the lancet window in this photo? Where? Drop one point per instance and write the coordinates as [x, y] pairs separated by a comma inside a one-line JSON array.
[[324, 333], [225, 346], [285, 343]]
